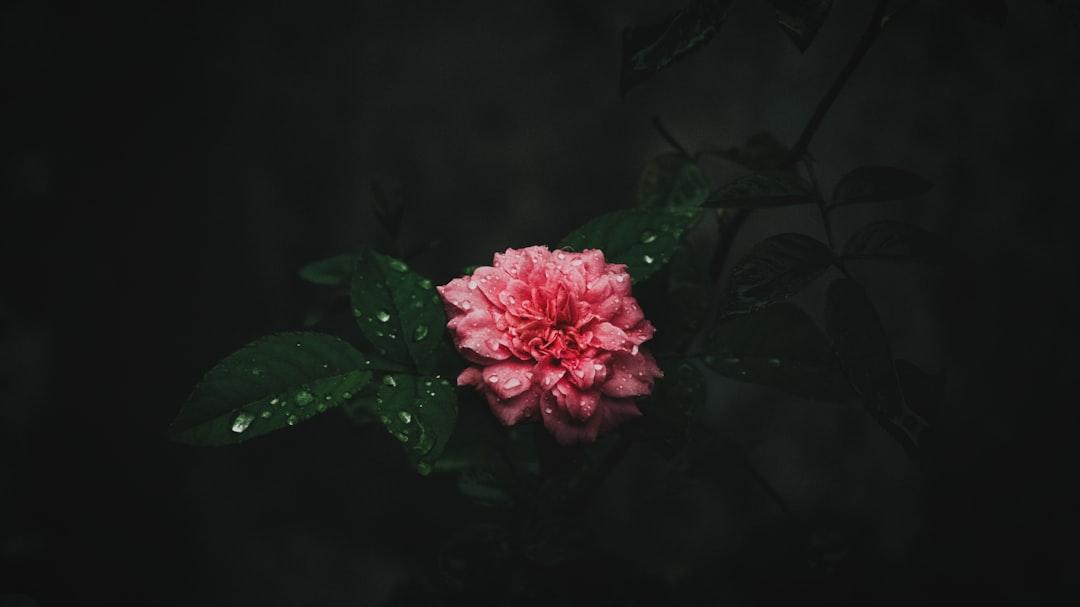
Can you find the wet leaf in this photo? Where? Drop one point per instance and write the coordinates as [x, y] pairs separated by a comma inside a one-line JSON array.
[[878, 184], [672, 181], [801, 19], [649, 49], [271, 383], [863, 348], [780, 347], [763, 190], [772, 271], [643, 239]]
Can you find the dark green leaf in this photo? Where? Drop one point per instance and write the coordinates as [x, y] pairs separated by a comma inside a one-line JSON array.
[[672, 181], [780, 347], [643, 239], [801, 19], [761, 152], [420, 412], [672, 408], [682, 304], [895, 240], [922, 392], [990, 11], [772, 271], [878, 184], [398, 311], [335, 271], [485, 485], [649, 49], [863, 349], [271, 383], [762, 190]]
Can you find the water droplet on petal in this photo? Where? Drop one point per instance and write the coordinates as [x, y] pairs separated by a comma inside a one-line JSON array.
[[397, 265], [576, 263], [580, 373], [405, 417], [420, 332], [472, 284], [598, 367], [512, 383], [242, 421], [465, 305], [548, 410], [634, 350], [620, 277], [648, 236], [382, 315], [494, 379]]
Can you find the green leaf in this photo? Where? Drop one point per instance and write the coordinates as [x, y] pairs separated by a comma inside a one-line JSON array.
[[863, 349], [672, 408], [772, 271], [398, 311], [878, 184], [420, 412], [335, 271], [923, 392], [649, 49], [484, 484], [682, 304], [761, 152], [763, 190], [271, 383], [672, 181], [801, 19], [780, 347], [643, 239], [895, 240]]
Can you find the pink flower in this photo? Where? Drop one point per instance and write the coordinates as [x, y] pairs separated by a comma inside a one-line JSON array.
[[553, 336]]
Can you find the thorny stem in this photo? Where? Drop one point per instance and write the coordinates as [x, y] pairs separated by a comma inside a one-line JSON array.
[[733, 219]]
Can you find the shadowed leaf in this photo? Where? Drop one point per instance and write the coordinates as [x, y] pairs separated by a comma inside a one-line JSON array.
[[780, 347], [672, 181], [420, 412], [878, 184], [895, 240], [649, 49], [772, 271], [761, 152], [801, 19], [763, 190], [863, 349]]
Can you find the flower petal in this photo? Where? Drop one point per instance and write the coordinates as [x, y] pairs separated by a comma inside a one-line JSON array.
[[631, 375]]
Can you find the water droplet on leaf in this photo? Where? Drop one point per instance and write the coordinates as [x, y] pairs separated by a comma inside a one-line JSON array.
[[648, 258], [382, 315], [303, 398], [291, 420], [389, 381], [648, 236], [266, 414], [405, 417], [397, 265], [420, 332], [242, 421], [424, 283]]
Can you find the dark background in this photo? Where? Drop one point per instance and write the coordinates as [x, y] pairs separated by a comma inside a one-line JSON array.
[[166, 170]]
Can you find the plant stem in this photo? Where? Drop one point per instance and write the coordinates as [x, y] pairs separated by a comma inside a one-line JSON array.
[[733, 219], [670, 139], [869, 36]]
